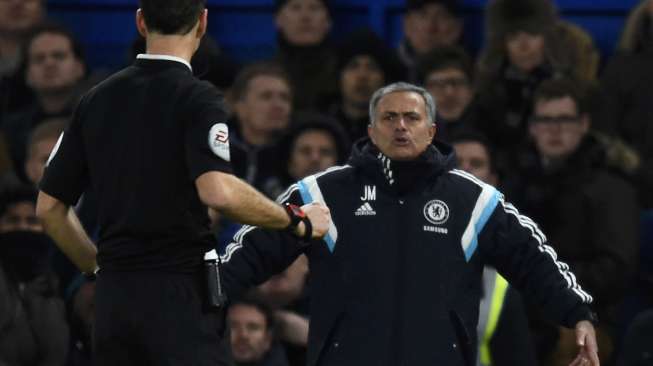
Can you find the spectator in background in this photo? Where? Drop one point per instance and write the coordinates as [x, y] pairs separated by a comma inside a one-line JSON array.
[[588, 211], [40, 144], [54, 70], [364, 65], [626, 109], [17, 17], [447, 73], [252, 337], [503, 334], [313, 145], [33, 328], [428, 24], [305, 51], [262, 101], [526, 44]]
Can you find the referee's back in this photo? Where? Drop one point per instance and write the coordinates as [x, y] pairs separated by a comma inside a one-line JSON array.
[[143, 140]]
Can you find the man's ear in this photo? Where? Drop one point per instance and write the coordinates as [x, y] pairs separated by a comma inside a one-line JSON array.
[[140, 23], [204, 23], [370, 133]]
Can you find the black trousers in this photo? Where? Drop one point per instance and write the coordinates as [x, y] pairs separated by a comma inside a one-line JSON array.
[[154, 318]]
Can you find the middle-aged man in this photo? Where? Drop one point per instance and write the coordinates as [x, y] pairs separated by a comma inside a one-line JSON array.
[[252, 334], [397, 278], [151, 142]]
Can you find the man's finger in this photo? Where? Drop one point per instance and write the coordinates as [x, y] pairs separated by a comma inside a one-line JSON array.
[[578, 361]]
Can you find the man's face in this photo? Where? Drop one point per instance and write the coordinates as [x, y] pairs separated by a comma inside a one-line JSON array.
[[265, 107], [451, 90], [525, 50], [52, 65], [18, 16], [557, 128], [38, 155], [250, 337], [473, 158], [304, 22], [359, 79], [401, 129], [313, 151], [20, 216], [430, 27]]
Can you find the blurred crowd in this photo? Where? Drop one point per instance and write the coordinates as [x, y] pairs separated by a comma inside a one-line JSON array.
[[566, 136]]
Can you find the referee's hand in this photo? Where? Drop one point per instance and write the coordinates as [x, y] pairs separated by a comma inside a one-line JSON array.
[[320, 218]]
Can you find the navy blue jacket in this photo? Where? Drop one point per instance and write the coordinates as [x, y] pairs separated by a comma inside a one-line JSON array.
[[396, 281]]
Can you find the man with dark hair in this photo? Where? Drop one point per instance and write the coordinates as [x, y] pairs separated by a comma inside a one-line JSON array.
[[397, 278], [252, 334], [365, 63], [575, 191], [154, 171], [262, 102], [53, 69], [428, 24], [447, 73]]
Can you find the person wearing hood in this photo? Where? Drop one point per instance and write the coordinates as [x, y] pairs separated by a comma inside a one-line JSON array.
[[364, 65], [33, 326], [305, 50], [397, 278], [526, 44]]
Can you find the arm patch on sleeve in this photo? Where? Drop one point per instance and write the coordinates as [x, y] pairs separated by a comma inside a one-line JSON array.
[[219, 141]]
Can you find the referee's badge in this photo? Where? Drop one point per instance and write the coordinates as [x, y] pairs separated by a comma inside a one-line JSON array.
[[219, 141]]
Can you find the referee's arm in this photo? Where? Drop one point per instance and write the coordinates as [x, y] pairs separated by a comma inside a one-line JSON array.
[[240, 202], [61, 223]]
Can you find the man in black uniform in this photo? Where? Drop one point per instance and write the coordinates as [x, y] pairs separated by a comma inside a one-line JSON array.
[[151, 143]]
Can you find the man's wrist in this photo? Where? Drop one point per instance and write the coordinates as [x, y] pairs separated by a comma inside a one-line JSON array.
[[297, 218]]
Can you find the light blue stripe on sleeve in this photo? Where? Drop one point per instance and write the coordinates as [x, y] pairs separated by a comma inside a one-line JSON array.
[[485, 205], [310, 192]]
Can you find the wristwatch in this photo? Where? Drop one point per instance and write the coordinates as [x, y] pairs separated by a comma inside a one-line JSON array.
[[297, 215]]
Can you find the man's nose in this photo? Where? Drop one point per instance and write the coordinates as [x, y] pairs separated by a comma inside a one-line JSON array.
[[401, 123]]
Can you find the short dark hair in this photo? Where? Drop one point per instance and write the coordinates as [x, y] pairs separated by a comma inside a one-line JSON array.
[[561, 88], [171, 16], [452, 6], [241, 83], [311, 121], [16, 194], [53, 28], [444, 58], [262, 307], [473, 135]]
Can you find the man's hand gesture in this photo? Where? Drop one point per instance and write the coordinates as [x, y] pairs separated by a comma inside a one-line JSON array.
[[588, 354]]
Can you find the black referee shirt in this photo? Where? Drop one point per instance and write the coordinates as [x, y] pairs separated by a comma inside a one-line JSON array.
[[139, 140]]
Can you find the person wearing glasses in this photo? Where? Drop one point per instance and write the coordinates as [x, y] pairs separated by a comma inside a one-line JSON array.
[[573, 189]]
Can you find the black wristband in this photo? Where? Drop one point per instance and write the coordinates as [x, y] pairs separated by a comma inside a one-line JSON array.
[[296, 216]]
